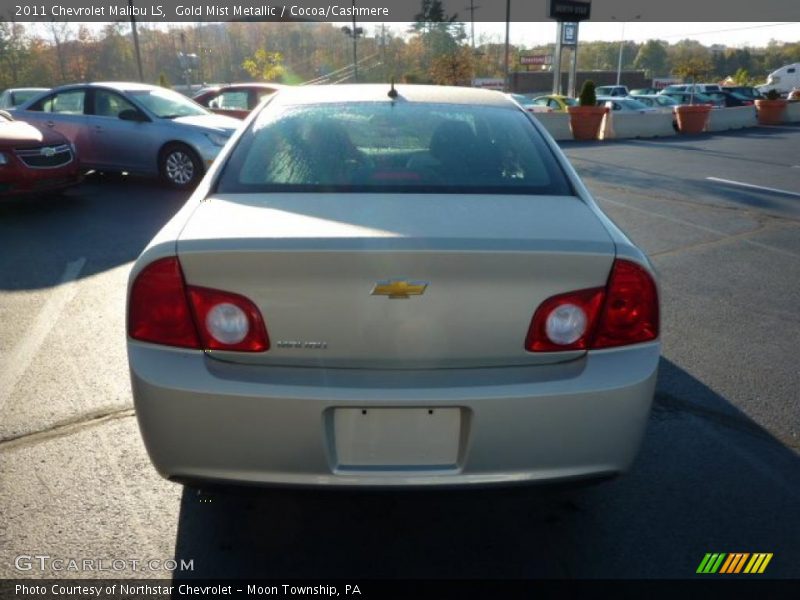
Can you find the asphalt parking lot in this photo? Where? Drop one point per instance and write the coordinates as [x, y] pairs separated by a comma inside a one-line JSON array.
[[719, 469]]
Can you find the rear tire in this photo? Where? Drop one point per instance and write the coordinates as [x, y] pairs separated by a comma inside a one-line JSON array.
[[180, 167]]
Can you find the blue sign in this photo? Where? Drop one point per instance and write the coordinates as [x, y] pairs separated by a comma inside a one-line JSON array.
[[569, 34]]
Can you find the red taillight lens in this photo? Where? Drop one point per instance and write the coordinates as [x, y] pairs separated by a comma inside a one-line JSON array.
[[228, 321], [158, 308], [565, 322], [162, 310], [630, 312], [624, 312]]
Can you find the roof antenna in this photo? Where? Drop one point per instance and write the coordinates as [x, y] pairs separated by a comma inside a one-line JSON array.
[[393, 92]]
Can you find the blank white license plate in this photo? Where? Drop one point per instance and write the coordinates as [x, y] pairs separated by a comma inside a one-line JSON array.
[[397, 437]]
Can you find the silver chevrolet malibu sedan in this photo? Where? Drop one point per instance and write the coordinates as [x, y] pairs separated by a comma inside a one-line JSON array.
[[392, 286], [146, 129]]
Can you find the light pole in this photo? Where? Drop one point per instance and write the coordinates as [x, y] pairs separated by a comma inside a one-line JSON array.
[[622, 46], [472, 8]]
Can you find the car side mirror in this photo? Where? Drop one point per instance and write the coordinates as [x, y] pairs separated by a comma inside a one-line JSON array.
[[130, 114]]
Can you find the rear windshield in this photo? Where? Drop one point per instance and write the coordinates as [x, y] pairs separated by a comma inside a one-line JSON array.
[[397, 147]]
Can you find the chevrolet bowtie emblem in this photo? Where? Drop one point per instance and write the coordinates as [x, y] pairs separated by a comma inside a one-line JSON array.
[[399, 288]]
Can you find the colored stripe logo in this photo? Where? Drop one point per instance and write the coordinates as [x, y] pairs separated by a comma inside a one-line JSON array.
[[734, 563]]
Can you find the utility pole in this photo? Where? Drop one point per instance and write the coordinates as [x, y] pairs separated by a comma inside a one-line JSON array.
[[354, 33], [622, 45], [136, 42], [355, 45], [383, 50], [472, 8], [508, 29]]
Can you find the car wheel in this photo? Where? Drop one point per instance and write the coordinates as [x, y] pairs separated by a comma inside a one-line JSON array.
[[180, 166]]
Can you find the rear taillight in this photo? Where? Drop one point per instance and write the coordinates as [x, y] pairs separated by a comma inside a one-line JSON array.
[[624, 312], [228, 321], [630, 311], [158, 308], [162, 310]]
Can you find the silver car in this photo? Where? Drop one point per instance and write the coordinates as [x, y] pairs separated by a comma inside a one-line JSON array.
[[660, 102], [625, 105], [380, 286], [15, 96], [134, 127]]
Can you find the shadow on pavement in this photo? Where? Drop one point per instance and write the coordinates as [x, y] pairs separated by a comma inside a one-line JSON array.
[[107, 220], [708, 479]]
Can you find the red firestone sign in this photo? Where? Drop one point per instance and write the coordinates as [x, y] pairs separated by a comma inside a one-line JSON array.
[[536, 59]]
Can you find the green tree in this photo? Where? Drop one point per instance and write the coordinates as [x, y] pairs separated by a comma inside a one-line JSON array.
[[115, 54], [693, 68], [652, 57], [432, 16], [12, 53], [742, 77]]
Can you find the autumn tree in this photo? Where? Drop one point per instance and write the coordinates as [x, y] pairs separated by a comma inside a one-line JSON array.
[[60, 32], [693, 68], [12, 52], [263, 65], [452, 68]]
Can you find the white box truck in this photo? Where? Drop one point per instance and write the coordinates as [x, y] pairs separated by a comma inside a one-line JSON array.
[[783, 81]]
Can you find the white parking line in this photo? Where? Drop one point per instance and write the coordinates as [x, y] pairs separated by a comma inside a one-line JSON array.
[[20, 358], [753, 187]]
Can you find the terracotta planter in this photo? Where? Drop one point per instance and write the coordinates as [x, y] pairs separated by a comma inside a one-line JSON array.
[[692, 118], [770, 112], [585, 121]]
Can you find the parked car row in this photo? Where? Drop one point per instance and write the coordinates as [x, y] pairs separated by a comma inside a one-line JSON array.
[[115, 126], [643, 99]]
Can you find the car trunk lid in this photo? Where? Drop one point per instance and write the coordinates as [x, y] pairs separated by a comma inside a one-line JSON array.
[[323, 268]]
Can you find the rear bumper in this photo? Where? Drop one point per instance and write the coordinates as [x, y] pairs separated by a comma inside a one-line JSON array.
[[202, 419]]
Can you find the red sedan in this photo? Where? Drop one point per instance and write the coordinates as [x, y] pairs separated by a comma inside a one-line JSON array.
[[235, 99], [34, 161]]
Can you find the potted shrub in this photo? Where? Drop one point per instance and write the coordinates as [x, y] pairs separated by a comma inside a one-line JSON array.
[[770, 110], [692, 118], [585, 119]]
